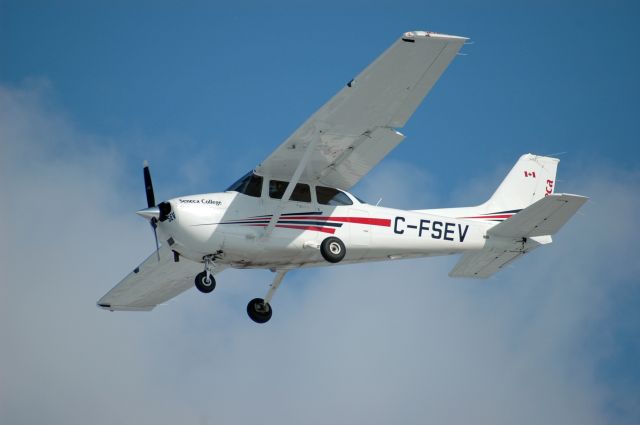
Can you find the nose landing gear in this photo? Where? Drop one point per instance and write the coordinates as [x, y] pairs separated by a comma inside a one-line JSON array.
[[205, 282]]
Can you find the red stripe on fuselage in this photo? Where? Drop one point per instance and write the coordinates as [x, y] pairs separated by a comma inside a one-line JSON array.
[[358, 220], [292, 226], [315, 228]]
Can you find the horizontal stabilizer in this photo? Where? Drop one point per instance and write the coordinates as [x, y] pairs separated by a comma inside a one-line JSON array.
[[543, 217], [514, 237]]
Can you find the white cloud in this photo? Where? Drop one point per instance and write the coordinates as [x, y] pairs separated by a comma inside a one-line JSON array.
[[390, 342]]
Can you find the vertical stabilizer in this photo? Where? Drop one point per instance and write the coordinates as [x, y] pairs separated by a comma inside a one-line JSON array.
[[532, 178]]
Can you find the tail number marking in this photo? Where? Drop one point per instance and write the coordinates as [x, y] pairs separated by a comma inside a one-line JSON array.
[[433, 229]]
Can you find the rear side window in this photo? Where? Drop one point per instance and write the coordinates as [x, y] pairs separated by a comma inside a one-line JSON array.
[[330, 196], [301, 193], [250, 184]]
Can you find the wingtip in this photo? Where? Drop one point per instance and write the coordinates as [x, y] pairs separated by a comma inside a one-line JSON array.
[[432, 34], [104, 306], [145, 164]]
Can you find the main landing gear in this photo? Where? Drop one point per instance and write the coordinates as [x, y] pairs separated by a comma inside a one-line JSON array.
[[332, 249], [258, 309]]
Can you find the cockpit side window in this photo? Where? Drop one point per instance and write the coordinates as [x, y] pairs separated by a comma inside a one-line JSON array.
[[330, 196], [277, 188], [250, 184], [301, 193]]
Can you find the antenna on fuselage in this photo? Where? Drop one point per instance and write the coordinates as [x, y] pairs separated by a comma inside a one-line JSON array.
[[378, 203]]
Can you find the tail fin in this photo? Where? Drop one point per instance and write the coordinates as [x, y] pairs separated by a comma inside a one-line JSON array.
[[528, 212], [531, 179]]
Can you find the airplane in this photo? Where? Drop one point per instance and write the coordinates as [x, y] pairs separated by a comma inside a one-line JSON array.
[[294, 210]]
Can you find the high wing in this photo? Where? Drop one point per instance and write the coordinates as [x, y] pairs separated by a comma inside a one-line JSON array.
[[357, 127], [152, 283]]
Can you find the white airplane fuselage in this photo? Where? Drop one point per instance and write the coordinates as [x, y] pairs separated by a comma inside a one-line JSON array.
[[231, 226]]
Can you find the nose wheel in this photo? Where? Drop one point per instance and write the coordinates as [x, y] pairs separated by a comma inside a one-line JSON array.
[[205, 282]]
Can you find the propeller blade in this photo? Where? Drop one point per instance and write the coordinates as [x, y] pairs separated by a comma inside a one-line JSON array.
[[148, 186], [152, 212]]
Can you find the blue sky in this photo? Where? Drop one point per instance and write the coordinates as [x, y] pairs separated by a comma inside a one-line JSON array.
[[542, 76], [205, 91]]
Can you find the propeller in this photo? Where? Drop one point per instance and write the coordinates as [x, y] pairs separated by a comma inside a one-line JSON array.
[[151, 210]]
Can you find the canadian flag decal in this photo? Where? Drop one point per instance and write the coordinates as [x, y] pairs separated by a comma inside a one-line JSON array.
[[530, 174]]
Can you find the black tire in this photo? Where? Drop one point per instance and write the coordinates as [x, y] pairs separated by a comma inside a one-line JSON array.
[[332, 249], [259, 311], [204, 283]]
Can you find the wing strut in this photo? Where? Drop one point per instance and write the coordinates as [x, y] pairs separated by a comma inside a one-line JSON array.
[[292, 184]]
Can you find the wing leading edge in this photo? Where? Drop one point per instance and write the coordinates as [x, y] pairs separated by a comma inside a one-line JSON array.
[[357, 127], [151, 283]]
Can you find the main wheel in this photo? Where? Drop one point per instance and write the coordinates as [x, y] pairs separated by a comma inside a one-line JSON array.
[[332, 249], [259, 311], [205, 283]]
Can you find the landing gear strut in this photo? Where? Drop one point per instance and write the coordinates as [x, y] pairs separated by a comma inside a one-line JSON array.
[[258, 309]]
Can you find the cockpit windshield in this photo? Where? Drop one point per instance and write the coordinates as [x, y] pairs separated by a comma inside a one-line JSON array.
[[250, 184]]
